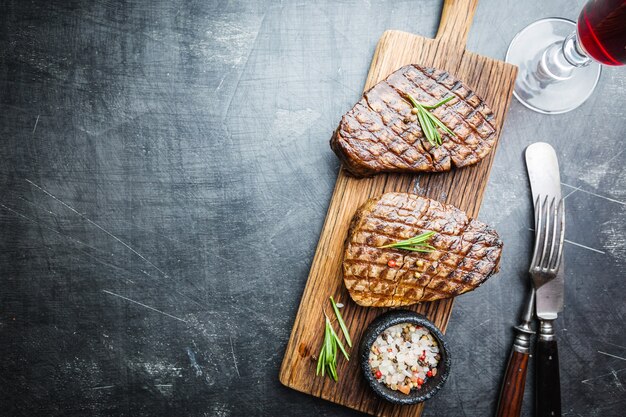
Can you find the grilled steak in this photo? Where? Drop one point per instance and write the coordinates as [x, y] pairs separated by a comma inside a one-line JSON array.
[[467, 252], [377, 135]]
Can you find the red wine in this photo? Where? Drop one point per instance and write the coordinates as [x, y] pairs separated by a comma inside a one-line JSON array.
[[602, 31]]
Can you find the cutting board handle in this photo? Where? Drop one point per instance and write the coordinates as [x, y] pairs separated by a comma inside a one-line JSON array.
[[456, 20]]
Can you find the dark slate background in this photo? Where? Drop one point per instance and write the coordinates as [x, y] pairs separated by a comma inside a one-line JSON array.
[[164, 176]]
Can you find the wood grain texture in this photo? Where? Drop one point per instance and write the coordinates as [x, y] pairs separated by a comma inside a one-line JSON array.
[[490, 79], [514, 382]]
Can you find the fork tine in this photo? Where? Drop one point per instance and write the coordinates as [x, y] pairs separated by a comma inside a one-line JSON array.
[[554, 212], [538, 225], [537, 212], [546, 233], [561, 237]]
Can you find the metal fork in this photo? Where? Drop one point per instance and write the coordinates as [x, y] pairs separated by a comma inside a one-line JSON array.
[[547, 254]]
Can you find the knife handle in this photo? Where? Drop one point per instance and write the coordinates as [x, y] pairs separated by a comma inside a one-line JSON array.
[[512, 392], [548, 383]]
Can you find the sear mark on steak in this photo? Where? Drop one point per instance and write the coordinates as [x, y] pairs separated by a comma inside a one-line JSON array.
[[373, 137], [467, 252]]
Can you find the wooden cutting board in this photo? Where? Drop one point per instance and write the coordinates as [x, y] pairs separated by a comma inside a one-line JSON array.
[[493, 81]]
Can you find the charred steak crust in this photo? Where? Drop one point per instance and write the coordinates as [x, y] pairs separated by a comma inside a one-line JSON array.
[[373, 137], [468, 252]]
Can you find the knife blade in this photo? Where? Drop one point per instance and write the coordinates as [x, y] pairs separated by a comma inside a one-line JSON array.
[[543, 172]]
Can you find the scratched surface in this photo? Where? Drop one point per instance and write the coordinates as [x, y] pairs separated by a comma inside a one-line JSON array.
[[164, 175]]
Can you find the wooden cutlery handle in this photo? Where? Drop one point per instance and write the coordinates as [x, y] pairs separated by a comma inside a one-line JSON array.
[[547, 383], [512, 392]]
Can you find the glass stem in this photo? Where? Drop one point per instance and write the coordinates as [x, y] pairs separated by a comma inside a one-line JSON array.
[[574, 52], [560, 59]]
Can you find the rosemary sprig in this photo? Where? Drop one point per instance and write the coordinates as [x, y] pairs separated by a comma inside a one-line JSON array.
[[428, 121], [327, 360], [415, 244], [342, 324]]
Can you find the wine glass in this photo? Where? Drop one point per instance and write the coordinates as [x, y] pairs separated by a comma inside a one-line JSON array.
[[559, 60]]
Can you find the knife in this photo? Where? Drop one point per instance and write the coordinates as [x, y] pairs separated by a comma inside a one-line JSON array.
[[543, 172]]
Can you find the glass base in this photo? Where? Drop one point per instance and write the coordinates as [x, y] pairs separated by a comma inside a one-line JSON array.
[[540, 92]]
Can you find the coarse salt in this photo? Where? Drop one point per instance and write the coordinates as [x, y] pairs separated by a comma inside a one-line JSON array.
[[404, 354]]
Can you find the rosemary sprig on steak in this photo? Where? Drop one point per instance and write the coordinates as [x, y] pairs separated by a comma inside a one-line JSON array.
[[428, 121], [414, 244]]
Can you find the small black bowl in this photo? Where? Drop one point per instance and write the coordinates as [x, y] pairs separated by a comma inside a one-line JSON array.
[[431, 385]]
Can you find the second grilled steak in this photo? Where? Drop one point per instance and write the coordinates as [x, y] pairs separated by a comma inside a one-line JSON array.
[[377, 135], [467, 252]]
